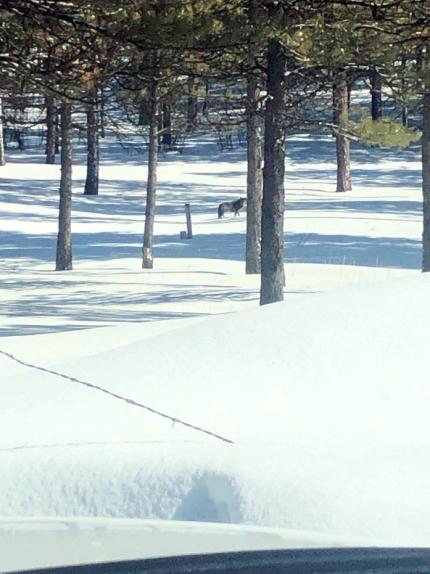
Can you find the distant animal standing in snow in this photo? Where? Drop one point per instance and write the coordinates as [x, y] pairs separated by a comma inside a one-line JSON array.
[[230, 206]]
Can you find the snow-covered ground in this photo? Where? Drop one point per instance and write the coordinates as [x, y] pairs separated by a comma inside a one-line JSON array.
[[362, 233], [325, 396]]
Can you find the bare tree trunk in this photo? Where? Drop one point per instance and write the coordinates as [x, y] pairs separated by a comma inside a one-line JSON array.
[[340, 117], [191, 104], [404, 107], [425, 142], [51, 114], [102, 113], [166, 137], [254, 191], [254, 182], [93, 150], [19, 131], [57, 132], [376, 94], [151, 186], [272, 229], [350, 88], [405, 116], [143, 112], [64, 239], [20, 138], [2, 154], [205, 109]]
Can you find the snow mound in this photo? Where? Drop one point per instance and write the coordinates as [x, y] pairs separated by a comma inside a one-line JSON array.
[[325, 398]]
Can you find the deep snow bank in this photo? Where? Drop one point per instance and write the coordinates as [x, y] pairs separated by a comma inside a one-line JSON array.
[[326, 398]]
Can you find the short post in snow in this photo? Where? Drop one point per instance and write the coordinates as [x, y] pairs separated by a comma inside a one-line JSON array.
[[189, 233]]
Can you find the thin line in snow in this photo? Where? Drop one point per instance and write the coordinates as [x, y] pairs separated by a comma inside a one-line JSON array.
[[127, 400], [95, 443]]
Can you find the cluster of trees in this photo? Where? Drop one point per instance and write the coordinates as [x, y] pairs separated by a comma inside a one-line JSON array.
[[158, 59]]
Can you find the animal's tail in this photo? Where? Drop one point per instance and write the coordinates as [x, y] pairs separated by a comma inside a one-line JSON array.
[[220, 210]]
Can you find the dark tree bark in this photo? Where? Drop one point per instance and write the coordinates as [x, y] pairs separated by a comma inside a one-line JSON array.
[[376, 94], [405, 116], [254, 182], [272, 228], [20, 139], [405, 111], [57, 132], [51, 115], [2, 154], [340, 118], [102, 114], [425, 143], [19, 131], [166, 138], [205, 109], [93, 150], [151, 186], [64, 239], [350, 88], [191, 104], [143, 113]]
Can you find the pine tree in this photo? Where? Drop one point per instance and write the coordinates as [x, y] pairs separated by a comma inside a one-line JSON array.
[[93, 150], [254, 187], [2, 153], [272, 228], [376, 94], [64, 238], [425, 144], [51, 116], [341, 120], [151, 185]]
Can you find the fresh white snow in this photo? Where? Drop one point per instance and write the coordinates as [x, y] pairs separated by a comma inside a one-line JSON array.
[[325, 395]]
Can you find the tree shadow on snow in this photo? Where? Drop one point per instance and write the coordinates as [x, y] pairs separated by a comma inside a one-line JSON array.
[[398, 252]]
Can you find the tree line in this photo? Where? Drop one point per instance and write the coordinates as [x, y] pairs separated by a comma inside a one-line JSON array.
[[265, 65]]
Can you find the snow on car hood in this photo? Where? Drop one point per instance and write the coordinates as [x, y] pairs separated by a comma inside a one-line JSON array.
[[42, 542]]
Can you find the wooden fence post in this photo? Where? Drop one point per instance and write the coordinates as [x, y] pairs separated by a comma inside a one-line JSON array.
[[189, 226]]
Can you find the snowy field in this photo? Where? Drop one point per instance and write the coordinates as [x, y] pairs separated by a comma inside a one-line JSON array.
[[361, 234], [324, 395]]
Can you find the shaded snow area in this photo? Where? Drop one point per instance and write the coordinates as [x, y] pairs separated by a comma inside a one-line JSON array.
[[371, 233], [325, 396]]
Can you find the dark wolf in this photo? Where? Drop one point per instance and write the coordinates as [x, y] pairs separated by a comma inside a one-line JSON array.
[[230, 206]]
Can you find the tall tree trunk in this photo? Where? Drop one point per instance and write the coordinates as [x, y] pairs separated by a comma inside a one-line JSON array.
[[405, 116], [404, 106], [93, 150], [151, 186], [57, 132], [2, 154], [205, 109], [376, 94], [340, 117], [426, 161], [272, 221], [102, 114], [64, 239], [166, 138], [254, 181], [350, 88], [19, 131], [51, 114], [143, 112], [191, 104]]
